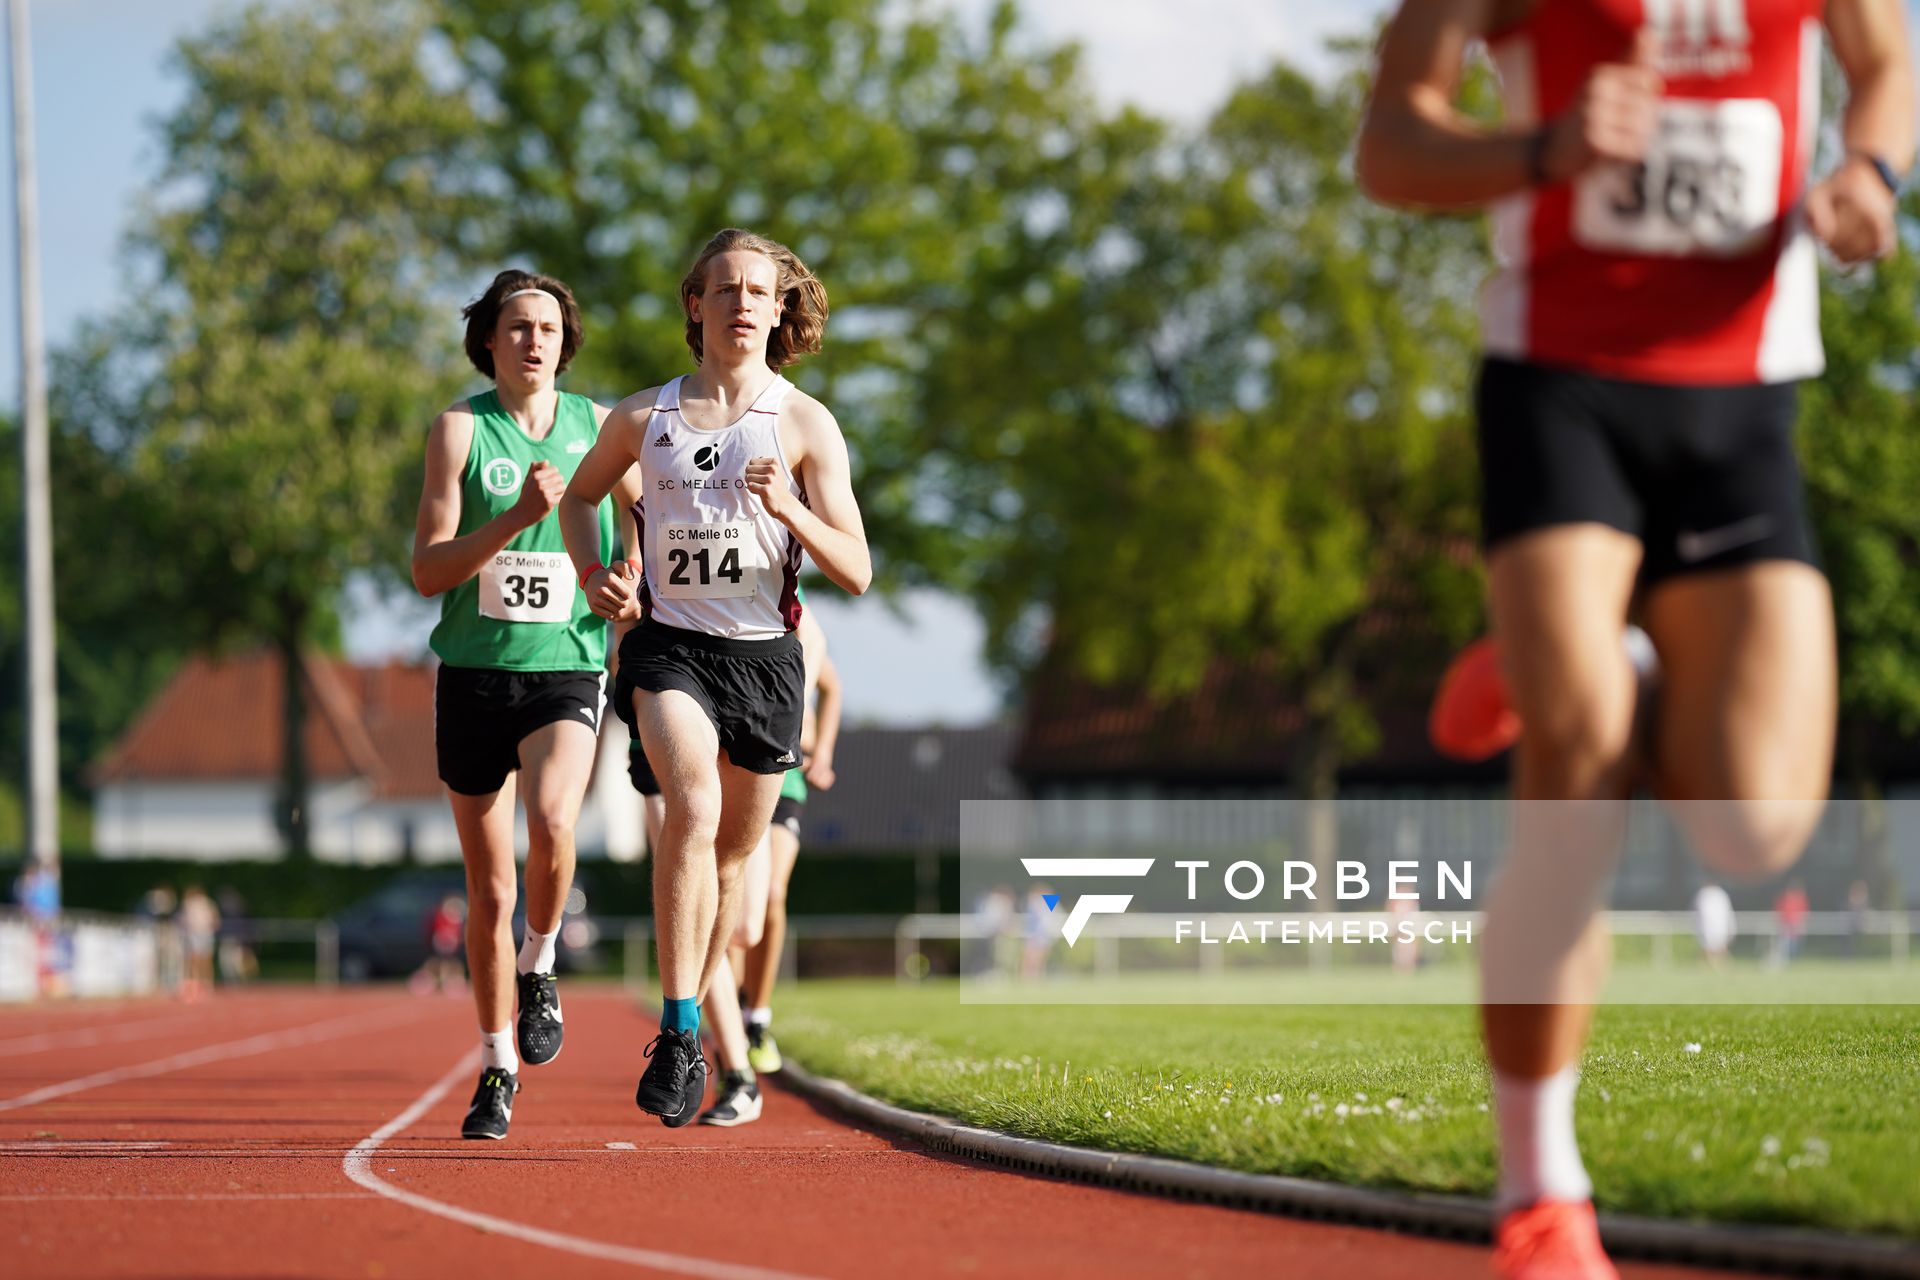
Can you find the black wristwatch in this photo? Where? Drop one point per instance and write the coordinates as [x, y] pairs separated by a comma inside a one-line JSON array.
[[1881, 167]]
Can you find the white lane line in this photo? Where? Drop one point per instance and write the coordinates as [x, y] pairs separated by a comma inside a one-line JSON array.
[[328, 1029], [80, 1038], [219, 1197], [355, 1166]]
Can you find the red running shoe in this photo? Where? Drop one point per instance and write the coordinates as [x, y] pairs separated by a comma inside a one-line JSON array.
[[1551, 1240], [1471, 718]]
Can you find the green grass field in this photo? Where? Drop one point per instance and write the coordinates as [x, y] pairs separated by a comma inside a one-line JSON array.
[[1783, 1113]]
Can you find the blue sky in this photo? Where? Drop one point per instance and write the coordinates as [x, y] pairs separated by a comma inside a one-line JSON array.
[[101, 83]]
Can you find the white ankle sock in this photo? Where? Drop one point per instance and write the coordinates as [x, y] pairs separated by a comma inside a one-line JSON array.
[[536, 953], [1641, 653], [760, 1016], [496, 1050], [1538, 1156]]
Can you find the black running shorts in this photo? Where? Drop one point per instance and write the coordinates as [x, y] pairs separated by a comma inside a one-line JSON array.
[[1704, 476], [480, 717], [750, 689], [786, 813]]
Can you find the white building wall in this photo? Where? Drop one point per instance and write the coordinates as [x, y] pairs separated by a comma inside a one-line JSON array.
[[227, 821]]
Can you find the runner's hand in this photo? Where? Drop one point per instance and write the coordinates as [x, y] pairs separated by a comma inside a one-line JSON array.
[[1852, 213], [819, 773], [1614, 118], [540, 494], [611, 592], [763, 481]]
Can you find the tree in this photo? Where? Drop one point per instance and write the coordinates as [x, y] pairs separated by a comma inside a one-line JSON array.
[[273, 379], [900, 153], [1244, 428]]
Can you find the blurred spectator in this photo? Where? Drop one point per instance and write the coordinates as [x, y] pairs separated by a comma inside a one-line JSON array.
[[237, 960], [993, 918], [199, 923], [1713, 923], [1406, 950], [446, 931], [157, 903], [1790, 913], [1859, 903], [1041, 928], [37, 890]]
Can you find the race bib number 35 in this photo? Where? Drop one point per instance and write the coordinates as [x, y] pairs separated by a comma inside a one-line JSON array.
[[707, 561], [527, 586], [1709, 186]]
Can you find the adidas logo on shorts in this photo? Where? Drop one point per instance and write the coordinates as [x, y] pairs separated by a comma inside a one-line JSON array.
[[665, 441], [787, 759]]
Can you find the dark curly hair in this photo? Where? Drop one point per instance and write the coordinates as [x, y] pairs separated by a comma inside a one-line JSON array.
[[483, 313]]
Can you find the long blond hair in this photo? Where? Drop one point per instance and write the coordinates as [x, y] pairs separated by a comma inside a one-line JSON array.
[[803, 299]]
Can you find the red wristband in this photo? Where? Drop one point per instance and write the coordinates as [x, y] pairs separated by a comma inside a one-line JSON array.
[[597, 567]]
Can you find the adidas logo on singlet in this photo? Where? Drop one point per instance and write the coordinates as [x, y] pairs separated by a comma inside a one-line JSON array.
[[1701, 37], [665, 441]]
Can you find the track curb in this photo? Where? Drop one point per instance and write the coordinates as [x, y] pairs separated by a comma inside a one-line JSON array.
[[1780, 1250]]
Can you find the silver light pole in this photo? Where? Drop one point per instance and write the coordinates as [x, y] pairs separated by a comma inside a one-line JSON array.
[[36, 579]]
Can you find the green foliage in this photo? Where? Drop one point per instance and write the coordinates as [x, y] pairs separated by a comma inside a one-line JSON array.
[[112, 648], [296, 354], [1233, 423], [907, 159], [1860, 442]]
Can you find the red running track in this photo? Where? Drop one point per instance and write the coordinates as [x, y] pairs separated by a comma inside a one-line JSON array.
[[299, 1133]]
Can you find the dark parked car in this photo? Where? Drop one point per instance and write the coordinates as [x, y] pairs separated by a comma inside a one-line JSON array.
[[388, 934]]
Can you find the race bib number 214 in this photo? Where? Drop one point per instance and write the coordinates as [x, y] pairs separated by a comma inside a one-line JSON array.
[[1709, 186]]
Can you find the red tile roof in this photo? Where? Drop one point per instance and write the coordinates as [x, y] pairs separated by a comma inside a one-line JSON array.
[[220, 719]]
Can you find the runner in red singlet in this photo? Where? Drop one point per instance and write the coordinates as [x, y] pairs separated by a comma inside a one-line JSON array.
[[1657, 298]]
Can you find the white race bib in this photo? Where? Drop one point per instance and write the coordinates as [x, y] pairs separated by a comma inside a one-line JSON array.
[[707, 561], [528, 586], [1709, 187]]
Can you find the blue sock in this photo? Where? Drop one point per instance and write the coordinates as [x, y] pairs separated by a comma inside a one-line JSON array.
[[680, 1015]]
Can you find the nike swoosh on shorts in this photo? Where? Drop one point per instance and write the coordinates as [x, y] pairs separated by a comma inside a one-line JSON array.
[[1700, 545]]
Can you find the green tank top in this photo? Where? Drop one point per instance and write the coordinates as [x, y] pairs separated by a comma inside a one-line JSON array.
[[793, 785], [524, 610]]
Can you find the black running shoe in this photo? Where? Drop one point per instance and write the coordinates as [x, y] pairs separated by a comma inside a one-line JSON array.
[[537, 1033], [492, 1105], [675, 1081], [739, 1102]]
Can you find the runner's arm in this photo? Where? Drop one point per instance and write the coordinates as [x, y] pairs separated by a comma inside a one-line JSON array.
[[606, 465], [828, 523], [625, 495], [1869, 39], [819, 772], [1415, 148], [442, 561], [1853, 211]]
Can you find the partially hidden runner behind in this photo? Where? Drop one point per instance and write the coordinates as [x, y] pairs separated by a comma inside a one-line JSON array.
[[742, 474], [819, 742], [744, 1046], [518, 692], [1657, 300]]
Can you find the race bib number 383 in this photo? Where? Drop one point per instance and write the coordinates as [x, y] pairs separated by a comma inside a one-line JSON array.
[[707, 561], [527, 586], [1709, 186]]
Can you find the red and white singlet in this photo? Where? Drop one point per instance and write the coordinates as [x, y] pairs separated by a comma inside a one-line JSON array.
[[1695, 267]]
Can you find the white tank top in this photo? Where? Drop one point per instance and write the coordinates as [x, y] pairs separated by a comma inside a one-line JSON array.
[[715, 561]]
